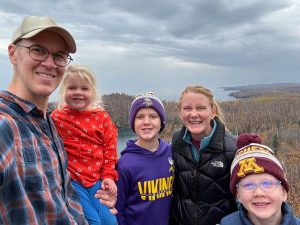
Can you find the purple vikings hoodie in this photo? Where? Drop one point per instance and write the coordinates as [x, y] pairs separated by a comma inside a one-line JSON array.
[[145, 185]]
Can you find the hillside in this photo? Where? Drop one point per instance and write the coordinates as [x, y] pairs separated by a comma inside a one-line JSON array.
[[276, 118], [274, 115]]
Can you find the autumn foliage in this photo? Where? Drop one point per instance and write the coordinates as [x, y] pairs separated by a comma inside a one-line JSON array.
[[275, 116]]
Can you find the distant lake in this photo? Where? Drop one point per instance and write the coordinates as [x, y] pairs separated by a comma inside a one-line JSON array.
[[222, 95], [124, 135]]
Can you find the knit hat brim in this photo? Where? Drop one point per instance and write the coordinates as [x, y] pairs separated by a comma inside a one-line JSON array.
[[255, 159], [147, 100]]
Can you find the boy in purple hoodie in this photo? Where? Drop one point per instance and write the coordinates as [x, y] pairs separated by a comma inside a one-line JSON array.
[[145, 168]]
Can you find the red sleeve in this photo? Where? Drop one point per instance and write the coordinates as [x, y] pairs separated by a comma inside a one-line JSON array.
[[110, 137]]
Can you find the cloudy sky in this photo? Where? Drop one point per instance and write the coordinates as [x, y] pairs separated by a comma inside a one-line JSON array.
[[164, 45]]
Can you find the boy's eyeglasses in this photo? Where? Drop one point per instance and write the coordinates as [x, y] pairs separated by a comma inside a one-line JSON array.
[[39, 53], [266, 185]]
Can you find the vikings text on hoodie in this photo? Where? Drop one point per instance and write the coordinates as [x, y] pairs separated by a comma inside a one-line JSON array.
[[145, 185]]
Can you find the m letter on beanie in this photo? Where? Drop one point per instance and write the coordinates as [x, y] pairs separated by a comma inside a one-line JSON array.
[[249, 166], [255, 159]]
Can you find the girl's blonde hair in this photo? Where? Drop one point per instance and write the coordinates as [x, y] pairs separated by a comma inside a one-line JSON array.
[[202, 90], [85, 73]]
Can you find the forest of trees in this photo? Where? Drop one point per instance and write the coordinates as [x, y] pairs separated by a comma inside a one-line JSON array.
[[275, 115]]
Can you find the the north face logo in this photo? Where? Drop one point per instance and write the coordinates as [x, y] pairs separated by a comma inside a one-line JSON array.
[[249, 166], [218, 164]]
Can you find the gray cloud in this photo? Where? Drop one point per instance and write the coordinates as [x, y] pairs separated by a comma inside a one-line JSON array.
[[164, 45]]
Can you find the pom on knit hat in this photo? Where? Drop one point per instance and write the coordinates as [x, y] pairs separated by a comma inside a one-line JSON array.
[[254, 158], [246, 139], [147, 100]]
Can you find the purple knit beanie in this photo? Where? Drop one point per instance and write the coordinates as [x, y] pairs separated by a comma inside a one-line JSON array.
[[147, 100]]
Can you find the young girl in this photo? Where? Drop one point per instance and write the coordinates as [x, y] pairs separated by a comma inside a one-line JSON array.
[[145, 167], [90, 140], [203, 150], [259, 183]]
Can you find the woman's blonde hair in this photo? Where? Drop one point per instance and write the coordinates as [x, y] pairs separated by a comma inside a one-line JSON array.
[[85, 73], [202, 90]]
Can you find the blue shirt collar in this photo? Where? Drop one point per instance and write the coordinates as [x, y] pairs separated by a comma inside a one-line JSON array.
[[187, 137]]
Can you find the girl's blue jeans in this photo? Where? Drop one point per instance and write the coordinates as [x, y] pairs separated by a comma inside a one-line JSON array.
[[95, 212]]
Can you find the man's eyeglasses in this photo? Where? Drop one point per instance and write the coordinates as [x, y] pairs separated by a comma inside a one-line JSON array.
[[266, 185], [39, 53]]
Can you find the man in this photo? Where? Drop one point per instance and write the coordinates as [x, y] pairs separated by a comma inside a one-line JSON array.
[[35, 186]]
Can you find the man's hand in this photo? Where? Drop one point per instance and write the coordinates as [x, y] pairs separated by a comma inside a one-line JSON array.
[[107, 199]]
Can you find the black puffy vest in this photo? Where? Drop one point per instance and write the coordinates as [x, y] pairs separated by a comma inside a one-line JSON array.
[[201, 194]]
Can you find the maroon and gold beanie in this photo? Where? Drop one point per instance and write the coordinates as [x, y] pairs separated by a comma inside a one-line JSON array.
[[255, 158]]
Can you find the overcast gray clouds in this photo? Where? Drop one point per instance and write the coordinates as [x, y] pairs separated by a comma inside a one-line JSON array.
[[164, 45]]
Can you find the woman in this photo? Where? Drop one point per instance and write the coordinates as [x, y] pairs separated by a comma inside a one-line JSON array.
[[203, 150]]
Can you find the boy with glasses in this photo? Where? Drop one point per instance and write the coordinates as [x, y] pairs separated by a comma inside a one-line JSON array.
[[35, 186], [260, 185]]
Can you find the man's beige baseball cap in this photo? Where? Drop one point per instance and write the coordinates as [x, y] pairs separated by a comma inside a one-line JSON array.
[[32, 25]]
